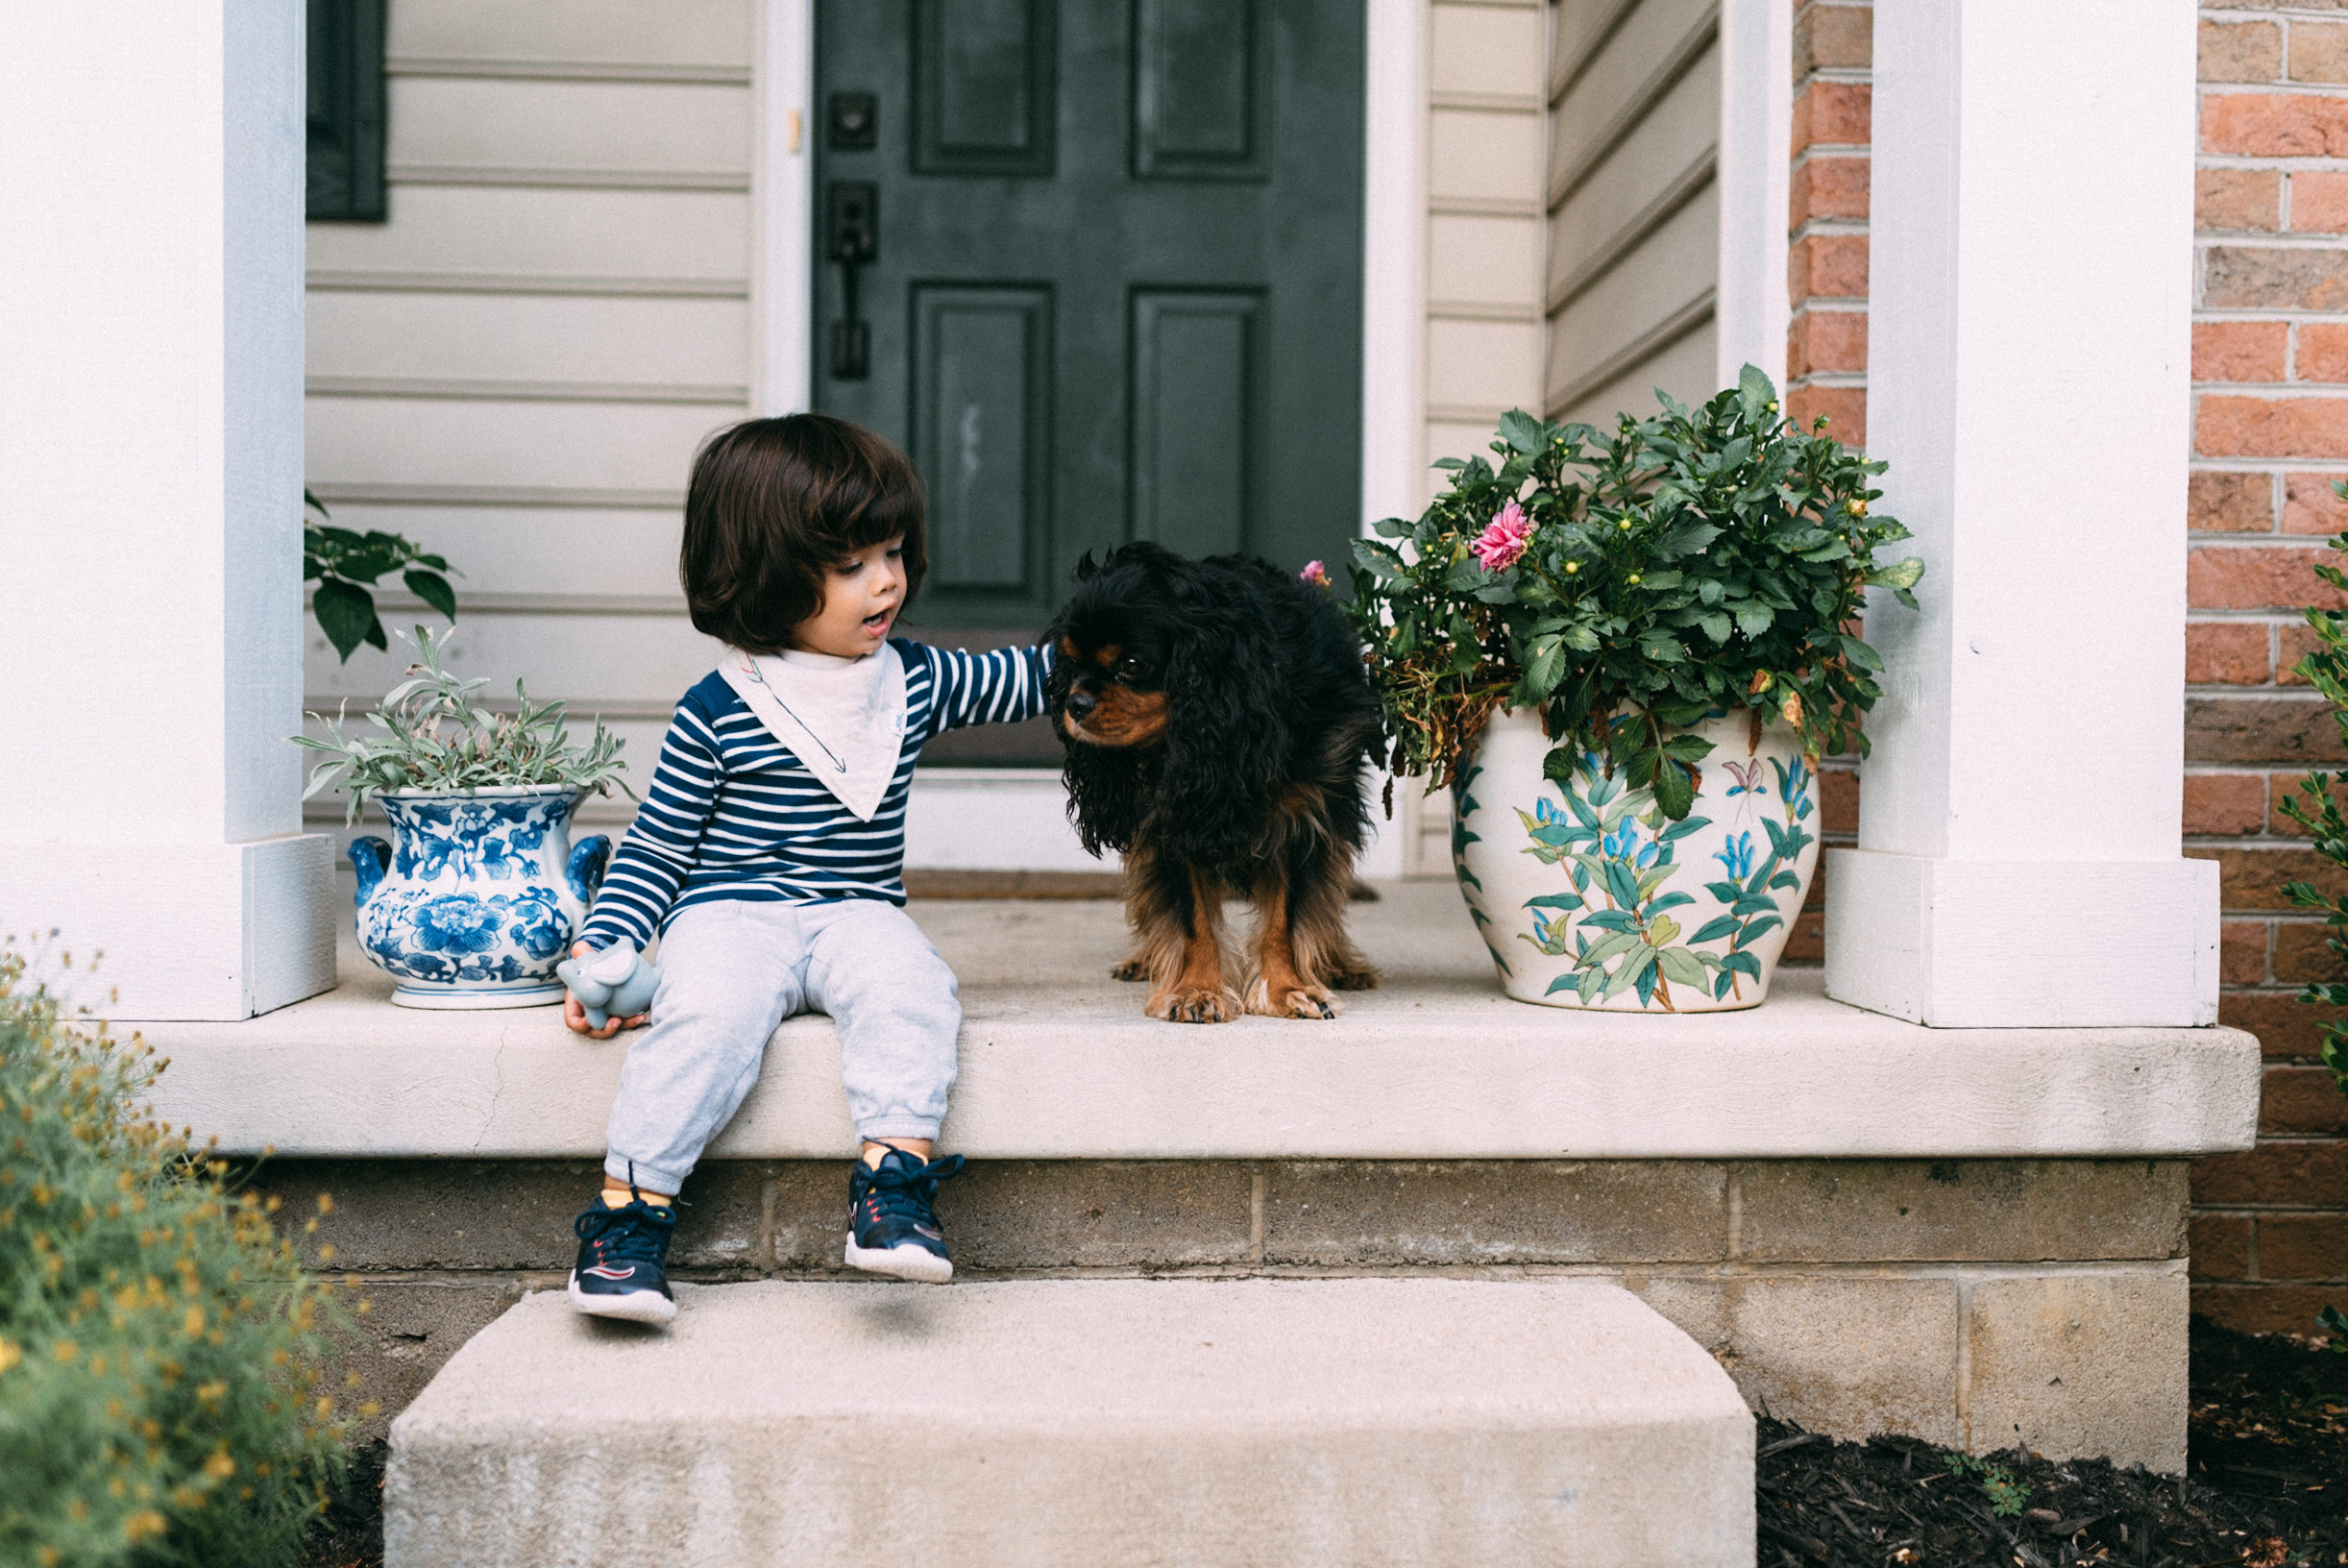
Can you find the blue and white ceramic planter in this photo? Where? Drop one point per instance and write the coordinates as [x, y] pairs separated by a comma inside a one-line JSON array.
[[1589, 896], [482, 896]]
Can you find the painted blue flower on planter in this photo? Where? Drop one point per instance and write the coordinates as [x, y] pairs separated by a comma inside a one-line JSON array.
[[1619, 872], [1794, 785], [1736, 855], [457, 924], [539, 927]]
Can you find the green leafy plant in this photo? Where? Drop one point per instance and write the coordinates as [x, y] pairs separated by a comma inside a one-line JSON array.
[[162, 1349], [2335, 1325], [437, 736], [2317, 809], [2007, 1496], [344, 565], [1627, 585]]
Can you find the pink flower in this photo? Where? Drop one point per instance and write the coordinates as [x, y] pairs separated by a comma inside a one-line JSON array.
[[1498, 545], [1314, 574]]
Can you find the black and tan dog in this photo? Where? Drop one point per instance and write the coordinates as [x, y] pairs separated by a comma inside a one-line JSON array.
[[1217, 717]]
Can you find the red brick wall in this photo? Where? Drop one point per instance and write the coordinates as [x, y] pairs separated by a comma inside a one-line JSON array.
[[2270, 390], [1825, 351], [2270, 435]]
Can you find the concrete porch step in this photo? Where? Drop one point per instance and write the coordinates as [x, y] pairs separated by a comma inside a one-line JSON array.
[[1082, 1422]]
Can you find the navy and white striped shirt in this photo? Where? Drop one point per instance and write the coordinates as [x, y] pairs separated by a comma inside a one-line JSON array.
[[732, 814]]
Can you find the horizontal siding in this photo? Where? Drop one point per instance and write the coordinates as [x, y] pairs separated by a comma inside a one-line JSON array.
[[1676, 147], [433, 446], [680, 36], [1633, 205], [1667, 279], [1486, 72], [1683, 368], [635, 665], [664, 346], [516, 368], [451, 128], [1479, 265], [1484, 161], [454, 236], [551, 555]]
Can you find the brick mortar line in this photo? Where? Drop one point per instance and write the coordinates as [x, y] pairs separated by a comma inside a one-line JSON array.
[[2221, 387], [2200, 464], [2296, 239], [1832, 304], [2279, 87], [2278, 163]]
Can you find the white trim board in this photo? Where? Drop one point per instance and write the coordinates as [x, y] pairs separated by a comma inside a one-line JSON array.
[[1016, 818]]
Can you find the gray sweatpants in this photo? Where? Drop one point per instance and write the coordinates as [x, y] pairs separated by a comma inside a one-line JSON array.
[[730, 971]]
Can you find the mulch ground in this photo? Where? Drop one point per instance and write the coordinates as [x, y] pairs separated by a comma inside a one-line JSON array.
[[2265, 1486], [2266, 1483]]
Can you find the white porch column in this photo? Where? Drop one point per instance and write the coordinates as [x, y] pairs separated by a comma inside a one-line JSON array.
[[2029, 307], [150, 204]]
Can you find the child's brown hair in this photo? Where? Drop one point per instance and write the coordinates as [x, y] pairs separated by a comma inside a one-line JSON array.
[[773, 505]]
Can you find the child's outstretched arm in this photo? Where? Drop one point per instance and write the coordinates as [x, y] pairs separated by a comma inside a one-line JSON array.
[[1000, 687], [645, 877]]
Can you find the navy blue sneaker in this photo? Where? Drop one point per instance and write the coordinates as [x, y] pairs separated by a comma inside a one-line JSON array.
[[893, 1218], [622, 1268]]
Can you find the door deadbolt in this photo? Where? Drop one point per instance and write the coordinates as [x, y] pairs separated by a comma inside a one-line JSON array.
[[852, 122]]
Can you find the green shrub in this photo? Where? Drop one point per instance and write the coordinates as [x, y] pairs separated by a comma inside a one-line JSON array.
[[160, 1347], [2317, 809]]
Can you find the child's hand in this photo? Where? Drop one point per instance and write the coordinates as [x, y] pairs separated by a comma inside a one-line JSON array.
[[575, 1011]]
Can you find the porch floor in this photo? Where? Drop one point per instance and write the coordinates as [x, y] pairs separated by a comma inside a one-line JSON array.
[[1059, 1062]]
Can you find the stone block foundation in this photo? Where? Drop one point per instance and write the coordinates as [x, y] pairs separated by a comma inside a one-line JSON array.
[[1976, 1303]]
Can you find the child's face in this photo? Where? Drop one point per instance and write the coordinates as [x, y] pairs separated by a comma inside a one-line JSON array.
[[862, 593]]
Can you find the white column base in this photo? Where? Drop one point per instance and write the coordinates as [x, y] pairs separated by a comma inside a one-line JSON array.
[[1982, 944], [189, 931]]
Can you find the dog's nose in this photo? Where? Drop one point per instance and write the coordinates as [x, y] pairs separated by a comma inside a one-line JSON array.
[[1081, 703]]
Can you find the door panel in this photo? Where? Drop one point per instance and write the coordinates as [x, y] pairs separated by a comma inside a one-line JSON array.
[[1196, 356], [984, 81], [1117, 273], [1202, 94], [982, 434]]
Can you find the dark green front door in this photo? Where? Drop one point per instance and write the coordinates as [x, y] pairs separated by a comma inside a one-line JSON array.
[[1108, 267]]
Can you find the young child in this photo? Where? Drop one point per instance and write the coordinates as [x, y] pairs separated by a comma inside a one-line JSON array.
[[769, 852]]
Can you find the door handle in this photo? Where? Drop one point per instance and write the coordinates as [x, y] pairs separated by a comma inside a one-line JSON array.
[[851, 237]]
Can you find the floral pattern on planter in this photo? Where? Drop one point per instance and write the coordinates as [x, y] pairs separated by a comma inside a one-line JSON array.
[[1593, 898], [478, 902]]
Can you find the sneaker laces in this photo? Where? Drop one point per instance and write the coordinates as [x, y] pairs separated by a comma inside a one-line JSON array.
[[905, 1186], [635, 1234]]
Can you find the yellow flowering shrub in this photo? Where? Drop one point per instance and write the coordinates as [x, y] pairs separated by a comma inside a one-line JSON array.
[[160, 1347]]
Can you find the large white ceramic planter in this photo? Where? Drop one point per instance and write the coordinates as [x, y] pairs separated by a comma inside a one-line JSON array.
[[478, 900], [1588, 896]]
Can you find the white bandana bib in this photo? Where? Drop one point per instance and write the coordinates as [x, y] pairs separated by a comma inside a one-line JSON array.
[[843, 719]]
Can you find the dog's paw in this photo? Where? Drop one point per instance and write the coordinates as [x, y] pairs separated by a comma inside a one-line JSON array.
[[1195, 1004], [1294, 1002], [1363, 978], [1135, 967]]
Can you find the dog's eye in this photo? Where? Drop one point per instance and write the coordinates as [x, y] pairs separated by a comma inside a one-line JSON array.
[[1128, 669]]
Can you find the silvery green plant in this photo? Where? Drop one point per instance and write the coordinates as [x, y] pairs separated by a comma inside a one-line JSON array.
[[437, 736]]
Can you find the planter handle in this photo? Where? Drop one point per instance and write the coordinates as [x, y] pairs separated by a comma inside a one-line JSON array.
[[585, 870], [369, 858]]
